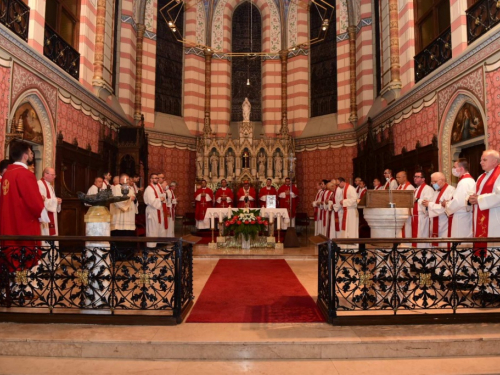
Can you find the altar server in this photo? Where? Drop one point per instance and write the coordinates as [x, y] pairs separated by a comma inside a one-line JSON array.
[[156, 210], [420, 216], [350, 218]]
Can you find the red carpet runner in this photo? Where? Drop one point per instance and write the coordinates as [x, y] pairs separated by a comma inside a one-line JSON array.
[[254, 291]]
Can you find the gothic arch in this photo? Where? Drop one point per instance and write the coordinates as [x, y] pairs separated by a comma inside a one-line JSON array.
[[271, 25], [35, 98], [448, 152]]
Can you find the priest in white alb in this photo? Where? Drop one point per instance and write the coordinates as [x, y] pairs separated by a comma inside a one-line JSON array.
[[440, 223], [337, 210], [404, 184], [51, 202], [317, 204], [156, 209], [486, 200], [420, 216], [458, 206], [350, 219]]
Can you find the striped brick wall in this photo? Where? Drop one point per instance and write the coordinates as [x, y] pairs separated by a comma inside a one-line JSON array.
[[220, 99], [126, 79], [364, 64], [149, 67], [86, 43], [458, 21], [385, 43], [271, 96], [36, 24], [298, 94], [407, 45], [343, 85]]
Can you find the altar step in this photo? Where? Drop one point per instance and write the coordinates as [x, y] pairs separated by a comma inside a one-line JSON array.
[[218, 342]]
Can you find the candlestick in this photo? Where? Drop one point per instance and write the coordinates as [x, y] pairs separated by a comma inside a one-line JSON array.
[[278, 217], [212, 221]]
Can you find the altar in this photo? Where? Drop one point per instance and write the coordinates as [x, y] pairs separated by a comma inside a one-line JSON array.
[[275, 215]]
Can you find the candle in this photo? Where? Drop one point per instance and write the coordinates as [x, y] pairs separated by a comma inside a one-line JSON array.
[[278, 217], [229, 212], [220, 217], [263, 212], [271, 217], [211, 220]]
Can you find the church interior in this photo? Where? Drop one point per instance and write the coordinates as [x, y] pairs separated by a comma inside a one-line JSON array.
[[246, 90]]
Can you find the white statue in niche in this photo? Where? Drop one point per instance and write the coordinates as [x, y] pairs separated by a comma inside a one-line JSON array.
[[262, 164], [246, 106]]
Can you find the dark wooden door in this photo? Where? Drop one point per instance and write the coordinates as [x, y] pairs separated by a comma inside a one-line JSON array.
[[473, 156]]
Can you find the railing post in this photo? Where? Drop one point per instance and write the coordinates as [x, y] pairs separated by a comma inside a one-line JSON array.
[[394, 257], [178, 281], [454, 295], [332, 276]]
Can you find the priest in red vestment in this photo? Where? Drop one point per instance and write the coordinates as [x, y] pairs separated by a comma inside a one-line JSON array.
[[21, 207], [288, 195], [269, 189], [224, 196], [204, 197], [246, 196]]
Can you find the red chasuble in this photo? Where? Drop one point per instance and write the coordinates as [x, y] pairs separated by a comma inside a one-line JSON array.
[[482, 221], [202, 205], [285, 202], [264, 192], [251, 193], [21, 205], [228, 193]]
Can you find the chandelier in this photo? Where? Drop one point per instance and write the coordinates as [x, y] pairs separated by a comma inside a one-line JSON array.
[[171, 11]]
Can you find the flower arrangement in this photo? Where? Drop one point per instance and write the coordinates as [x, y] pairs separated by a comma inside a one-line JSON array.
[[245, 222]]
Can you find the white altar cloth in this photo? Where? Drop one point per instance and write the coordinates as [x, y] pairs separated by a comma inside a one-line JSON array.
[[272, 213]]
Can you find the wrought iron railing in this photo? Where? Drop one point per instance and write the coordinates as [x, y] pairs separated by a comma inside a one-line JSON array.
[[16, 16], [481, 17], [372, 275], [126, 282], [434, 55], [61, 53]]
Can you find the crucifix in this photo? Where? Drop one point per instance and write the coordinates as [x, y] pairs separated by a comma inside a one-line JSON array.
[[246, 163]]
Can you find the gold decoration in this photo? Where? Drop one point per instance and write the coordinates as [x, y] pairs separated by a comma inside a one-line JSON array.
[[82, 277], [365, 278], [22, 277], [483, 277], [144, 278], [5, 187], [425, 279]]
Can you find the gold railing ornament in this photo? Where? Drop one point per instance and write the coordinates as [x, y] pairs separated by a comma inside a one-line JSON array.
[[143, 278], [425, 279], [483, 278], [365, 278], [82, 277], [22, 277]]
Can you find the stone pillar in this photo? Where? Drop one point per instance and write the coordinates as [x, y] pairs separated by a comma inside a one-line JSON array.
[[97, 224], [284, 92], [138, 72], [394, 35], [100, 32], [353, 117], [208, 86]]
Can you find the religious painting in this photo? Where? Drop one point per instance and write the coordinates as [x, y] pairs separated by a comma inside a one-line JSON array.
[[468, 124], [32, 129]]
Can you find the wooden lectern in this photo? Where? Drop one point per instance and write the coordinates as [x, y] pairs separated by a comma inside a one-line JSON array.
[[383, 198]]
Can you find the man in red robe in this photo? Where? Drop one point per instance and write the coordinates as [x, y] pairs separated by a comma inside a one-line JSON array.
[[269, 189], [204, 198], [246, 196], [224, 196], [287, 197], [21, 206]]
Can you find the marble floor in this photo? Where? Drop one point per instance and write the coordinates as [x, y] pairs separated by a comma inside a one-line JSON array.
[[250, 348]]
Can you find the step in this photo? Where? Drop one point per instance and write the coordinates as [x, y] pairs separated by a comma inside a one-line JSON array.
[[249, 341]]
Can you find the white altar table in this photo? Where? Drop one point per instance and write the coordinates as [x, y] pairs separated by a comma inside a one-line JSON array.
[[272, 213]]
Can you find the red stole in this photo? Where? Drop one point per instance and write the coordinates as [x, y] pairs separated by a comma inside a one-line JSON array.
[[336, 214], [173, 205], [401, 187], [163, 206], [435, 220], [319, 197], [388, 184], [325, 200], [483, 217], [52, 226], [363, 192], [414, 218], [344, 218]]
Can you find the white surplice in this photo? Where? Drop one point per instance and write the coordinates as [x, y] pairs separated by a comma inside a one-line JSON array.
[[461, 226], [339, 209], [154, 227], [350, 205], [491, 202], [437, 210], [423, 216], [123, 213], [316, 204]]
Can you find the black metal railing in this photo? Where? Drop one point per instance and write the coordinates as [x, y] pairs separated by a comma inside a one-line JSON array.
[[120, 282], [481, 17], [61, 53], [16, 16], [380, 275], [434, 55]]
